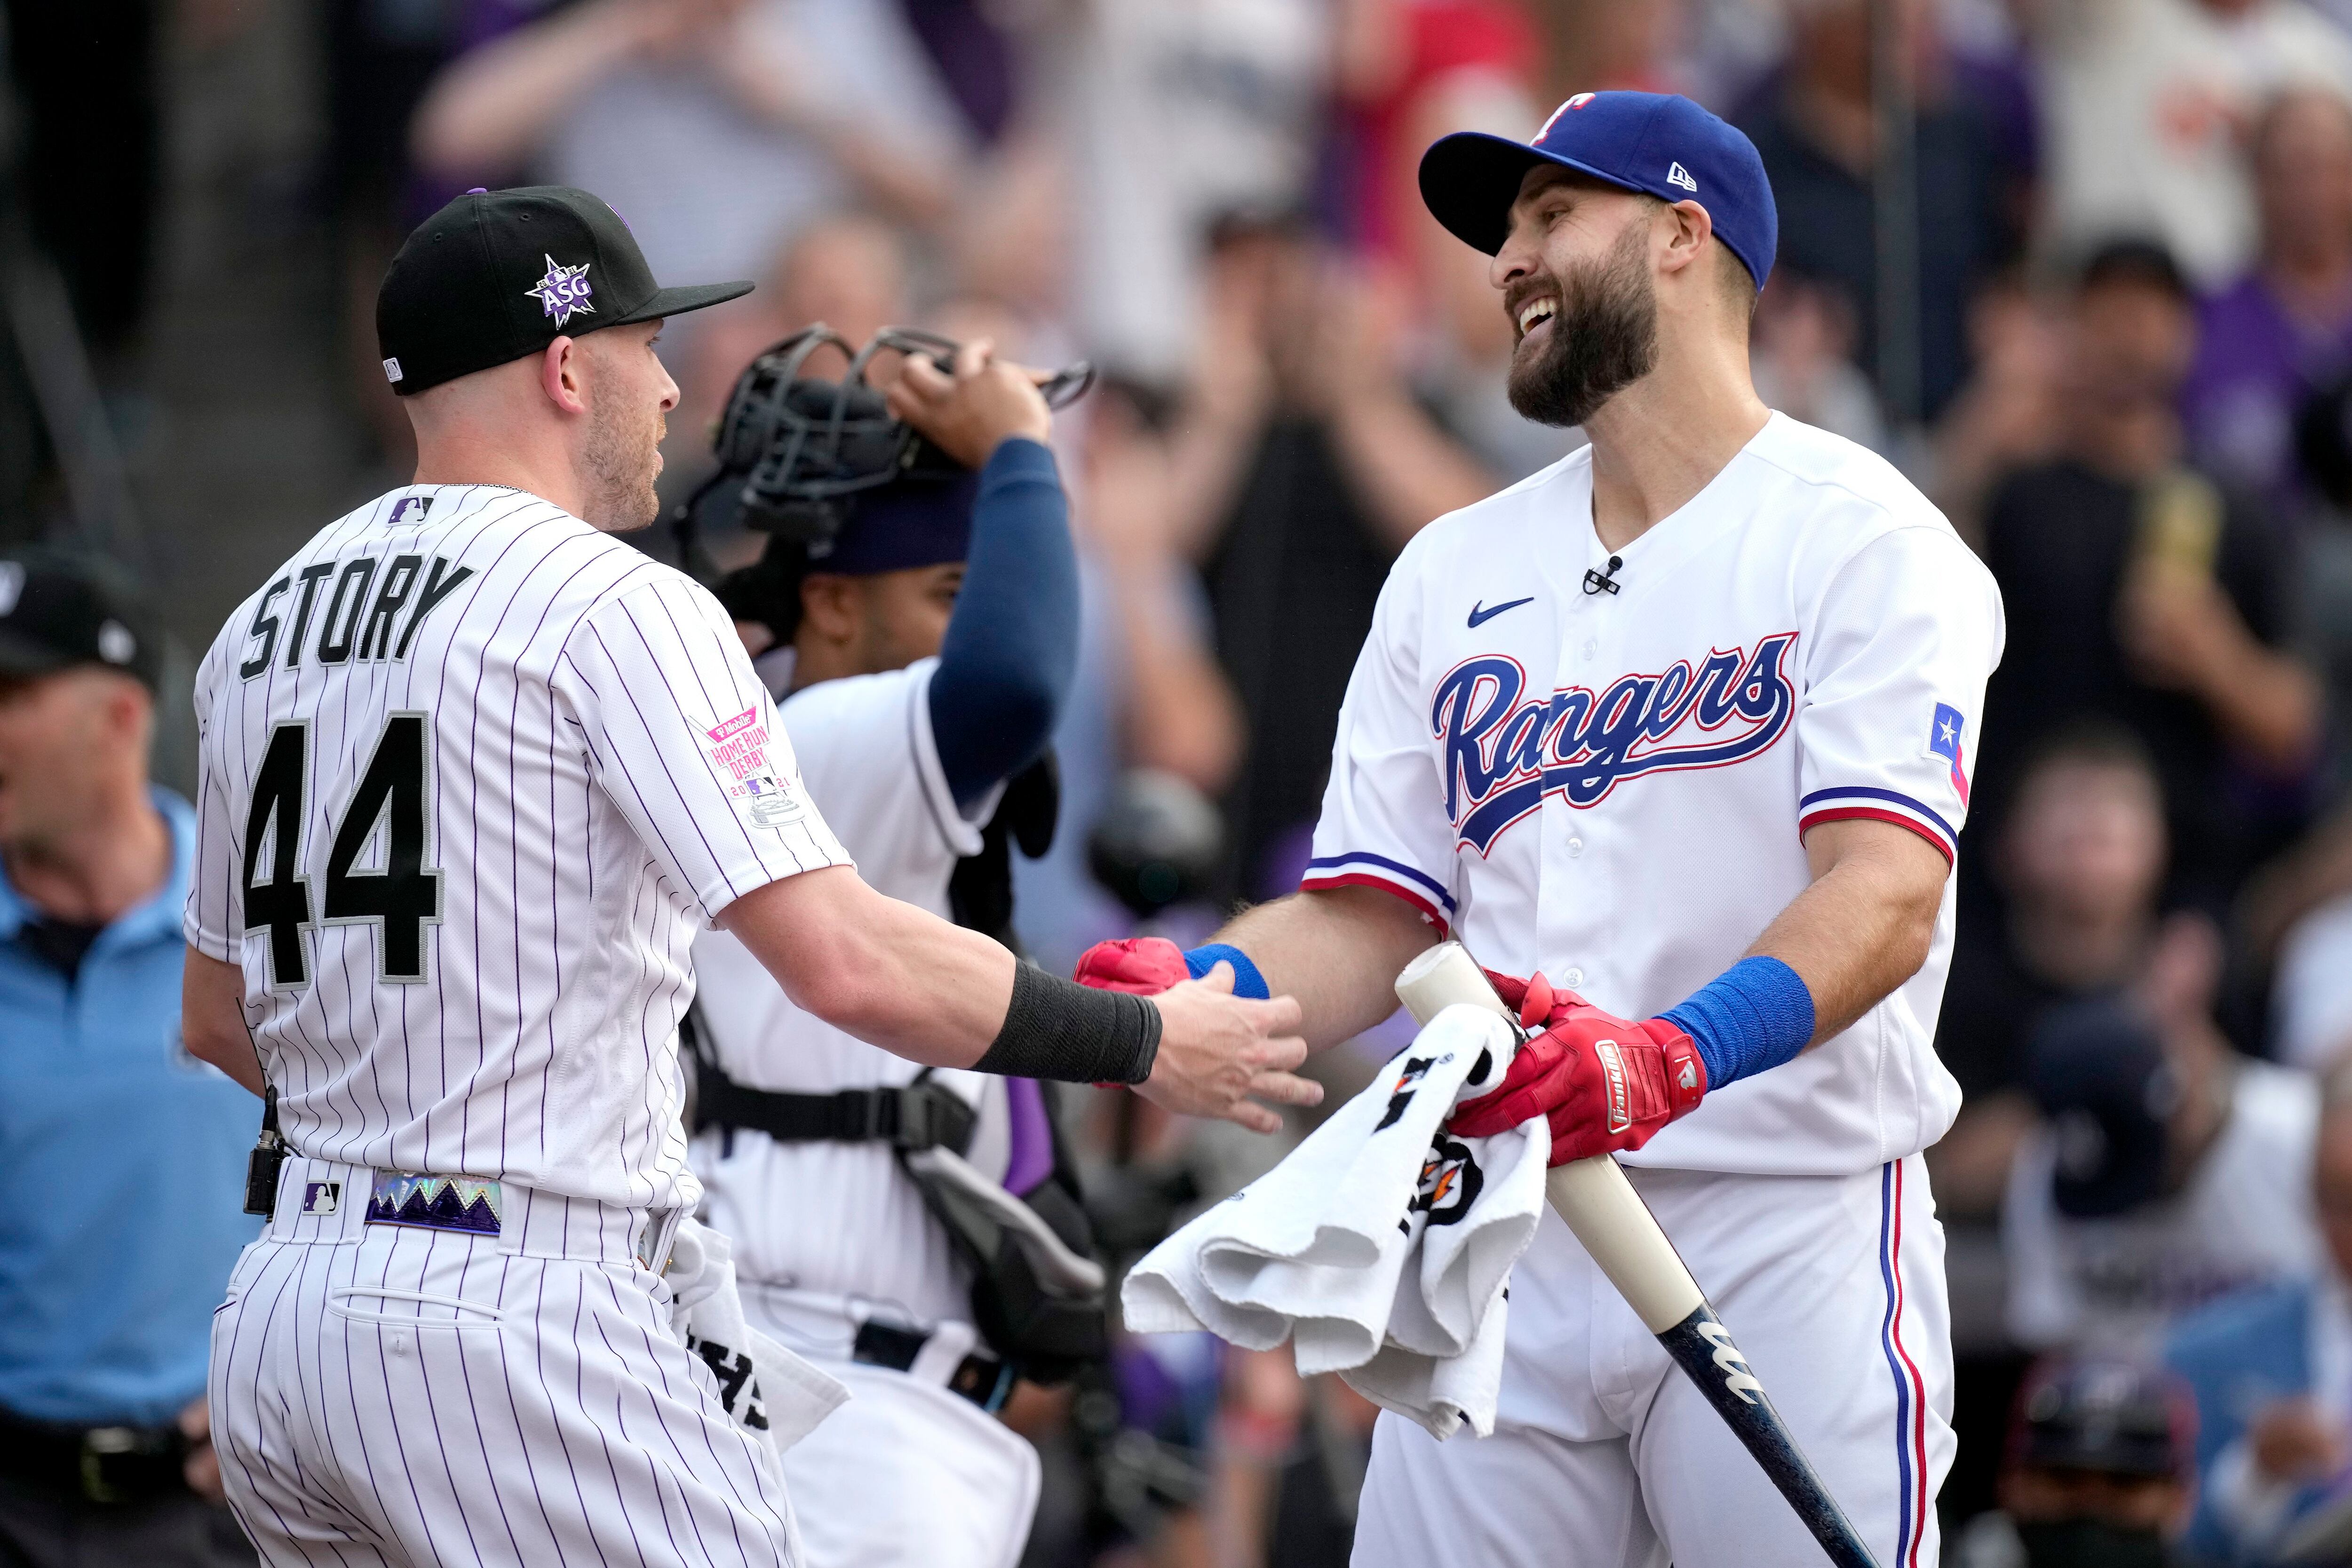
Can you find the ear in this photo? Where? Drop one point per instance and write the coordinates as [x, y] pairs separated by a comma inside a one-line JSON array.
[[1689, 228], [831, 606], [563, 375]]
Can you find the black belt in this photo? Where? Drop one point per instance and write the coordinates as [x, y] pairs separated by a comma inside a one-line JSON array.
[[982, 1378], [97, 1464], [922, 1115]]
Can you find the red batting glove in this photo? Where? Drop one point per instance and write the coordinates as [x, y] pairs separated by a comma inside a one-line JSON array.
[[1140, 965], [1604, 1083]]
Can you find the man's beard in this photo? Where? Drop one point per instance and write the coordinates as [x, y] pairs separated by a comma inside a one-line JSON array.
[[622, 458], [1604, 338]]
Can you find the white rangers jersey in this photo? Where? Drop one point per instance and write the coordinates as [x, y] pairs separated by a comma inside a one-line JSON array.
[[472, 776], [840, 1218], [1611, 783]]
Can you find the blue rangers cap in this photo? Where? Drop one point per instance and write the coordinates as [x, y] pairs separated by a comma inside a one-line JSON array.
[[1659, 143]]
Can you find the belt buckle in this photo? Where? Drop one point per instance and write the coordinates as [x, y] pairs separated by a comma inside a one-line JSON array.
[[104, 1449], [655, 1235]]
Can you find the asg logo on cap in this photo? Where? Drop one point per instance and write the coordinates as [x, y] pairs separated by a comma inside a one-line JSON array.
[[564, 292]]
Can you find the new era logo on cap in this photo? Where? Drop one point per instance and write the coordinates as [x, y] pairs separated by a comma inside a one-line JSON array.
[[1661, 144]]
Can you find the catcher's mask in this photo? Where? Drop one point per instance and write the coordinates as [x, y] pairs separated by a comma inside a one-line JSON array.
[[795, 452]]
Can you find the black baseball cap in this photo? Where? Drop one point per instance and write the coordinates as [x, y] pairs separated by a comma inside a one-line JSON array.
[[58, 611], [498, 275], [2096, 1071]]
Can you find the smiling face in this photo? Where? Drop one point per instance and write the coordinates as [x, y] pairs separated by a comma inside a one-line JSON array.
[[1575, 278]]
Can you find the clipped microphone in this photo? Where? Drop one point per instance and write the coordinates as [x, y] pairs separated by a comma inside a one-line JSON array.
[[1603, 582]]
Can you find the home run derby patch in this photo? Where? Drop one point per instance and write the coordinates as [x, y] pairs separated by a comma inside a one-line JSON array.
[[737, 750]]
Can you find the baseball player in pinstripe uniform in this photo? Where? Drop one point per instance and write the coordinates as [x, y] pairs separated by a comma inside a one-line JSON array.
[[472, 775]]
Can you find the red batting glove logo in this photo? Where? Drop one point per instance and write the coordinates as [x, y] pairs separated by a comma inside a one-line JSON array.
[[1604, 1083]]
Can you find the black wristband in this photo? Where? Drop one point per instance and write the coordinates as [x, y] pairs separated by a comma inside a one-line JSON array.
[[1056, 1028]]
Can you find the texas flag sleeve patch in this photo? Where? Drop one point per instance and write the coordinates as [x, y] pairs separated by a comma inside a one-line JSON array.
[[1944, 741]]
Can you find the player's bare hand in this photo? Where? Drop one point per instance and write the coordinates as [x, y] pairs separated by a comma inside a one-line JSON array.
[[1220, 1054], [2293, 1440], [201, 1467], [986, 402]]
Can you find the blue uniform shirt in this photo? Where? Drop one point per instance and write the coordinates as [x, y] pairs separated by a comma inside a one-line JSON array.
[[121, 1169]]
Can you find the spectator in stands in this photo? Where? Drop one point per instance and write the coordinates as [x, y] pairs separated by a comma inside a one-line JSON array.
[[1817, 136], [847, 270], [122, 1160], [2007, 414], [2100, 1472], [1800, 353], [2171, 1171], [1303, 464], [2140, 593], [1411, 71], [719, 128], [2149, 104], [2079, 862], [2267, 342], [1180, 112], [2272, 1373]]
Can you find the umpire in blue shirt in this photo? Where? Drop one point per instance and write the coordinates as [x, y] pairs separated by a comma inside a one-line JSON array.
[[121, 1159]]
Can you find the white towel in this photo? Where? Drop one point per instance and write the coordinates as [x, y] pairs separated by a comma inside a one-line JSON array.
[[765, 1387], [1381, 1246]]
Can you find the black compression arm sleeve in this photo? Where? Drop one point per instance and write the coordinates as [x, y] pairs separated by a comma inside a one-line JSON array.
[[1055, 1028]]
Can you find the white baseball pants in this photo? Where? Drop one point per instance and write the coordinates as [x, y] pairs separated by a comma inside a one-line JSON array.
[[391, 1396], [1604, 1456]]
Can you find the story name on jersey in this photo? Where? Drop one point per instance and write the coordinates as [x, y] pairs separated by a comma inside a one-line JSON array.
[[371, 612], [1503, 751]]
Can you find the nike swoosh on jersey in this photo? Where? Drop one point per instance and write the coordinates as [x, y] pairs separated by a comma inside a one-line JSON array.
[[1479, 616]]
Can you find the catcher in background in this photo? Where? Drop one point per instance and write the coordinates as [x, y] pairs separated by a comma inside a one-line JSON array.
[[916, 615]]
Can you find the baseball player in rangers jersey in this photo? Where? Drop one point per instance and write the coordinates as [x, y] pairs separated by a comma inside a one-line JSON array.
[[910, 721], [1683, 724], [472, 775]]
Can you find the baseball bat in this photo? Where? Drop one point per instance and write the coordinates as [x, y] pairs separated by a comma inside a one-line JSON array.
[[1623, 1237]]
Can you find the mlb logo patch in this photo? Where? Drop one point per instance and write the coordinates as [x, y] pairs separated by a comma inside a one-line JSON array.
[[322, 1197], [1944, 740]]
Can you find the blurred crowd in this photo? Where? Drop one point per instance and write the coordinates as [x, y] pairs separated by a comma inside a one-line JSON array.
[[2127, 381]]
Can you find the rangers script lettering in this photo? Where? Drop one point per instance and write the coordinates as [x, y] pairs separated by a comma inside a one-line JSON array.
[[1503, 756]]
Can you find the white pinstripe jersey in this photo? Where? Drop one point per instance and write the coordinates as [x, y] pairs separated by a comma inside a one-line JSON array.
[[473, 775], [1612, 787]]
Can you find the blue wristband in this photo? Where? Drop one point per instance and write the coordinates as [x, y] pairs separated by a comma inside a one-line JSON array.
[[1754, 1014], [1247, 981]]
